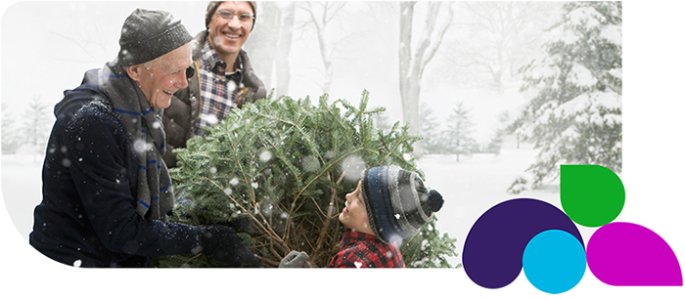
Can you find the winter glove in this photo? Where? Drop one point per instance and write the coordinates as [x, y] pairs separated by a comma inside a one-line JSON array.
[[295, 259], [223, 245], [243, 224]]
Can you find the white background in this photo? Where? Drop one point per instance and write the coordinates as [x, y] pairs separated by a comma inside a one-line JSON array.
[[653, 161]]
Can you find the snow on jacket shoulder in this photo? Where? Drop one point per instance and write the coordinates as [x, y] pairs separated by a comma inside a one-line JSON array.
[[87, 216]]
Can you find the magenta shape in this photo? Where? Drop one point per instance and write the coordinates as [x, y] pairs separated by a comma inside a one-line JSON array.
[[627, 254]]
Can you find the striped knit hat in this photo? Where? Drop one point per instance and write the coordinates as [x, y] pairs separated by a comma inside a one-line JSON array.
[[397, 202]]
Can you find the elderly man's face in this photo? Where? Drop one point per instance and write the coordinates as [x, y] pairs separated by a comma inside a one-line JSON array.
[[230, 27], [159, 79]]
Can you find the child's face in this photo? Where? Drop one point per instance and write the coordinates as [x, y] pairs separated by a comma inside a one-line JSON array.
[[354, 214]]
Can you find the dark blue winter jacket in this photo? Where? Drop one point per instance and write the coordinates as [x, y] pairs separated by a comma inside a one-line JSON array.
[[87, 216]]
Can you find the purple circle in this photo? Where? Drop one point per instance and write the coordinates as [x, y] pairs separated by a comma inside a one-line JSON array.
[[493, 250]]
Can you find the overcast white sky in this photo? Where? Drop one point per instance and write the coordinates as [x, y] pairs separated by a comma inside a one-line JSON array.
[[47, 46]]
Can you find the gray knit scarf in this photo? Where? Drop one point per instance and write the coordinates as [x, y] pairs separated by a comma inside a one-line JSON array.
[[146, 134]]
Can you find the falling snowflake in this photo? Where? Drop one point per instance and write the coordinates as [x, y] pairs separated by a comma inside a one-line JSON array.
[[358, 264], [255, 185], [234, 182], [352, 167], [332, 209], [141, 146], [77, 263], [267, 209], [396, 240], [231, 86], [212, 170], [228, 191], [210, 119], [265, 156], [156, 125]]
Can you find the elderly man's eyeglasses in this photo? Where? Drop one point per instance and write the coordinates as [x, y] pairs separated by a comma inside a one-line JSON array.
[[228, 15]]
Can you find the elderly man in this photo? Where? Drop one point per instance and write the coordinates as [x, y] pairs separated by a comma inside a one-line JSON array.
[[106, 189], [224, 78]]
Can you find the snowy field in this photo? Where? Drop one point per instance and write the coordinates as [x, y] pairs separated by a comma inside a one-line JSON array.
[[475, 184], [469, 187], [21, 189]]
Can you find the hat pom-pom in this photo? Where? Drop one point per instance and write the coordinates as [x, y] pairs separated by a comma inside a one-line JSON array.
[[435, 200]]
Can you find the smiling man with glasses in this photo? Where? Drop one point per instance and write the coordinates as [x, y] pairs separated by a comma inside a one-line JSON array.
[[224, 78]]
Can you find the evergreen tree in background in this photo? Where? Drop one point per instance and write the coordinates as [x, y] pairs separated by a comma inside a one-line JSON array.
[[459, 132], [35, 126], [278, 170], [574, 115], [431, 136], [9, 133], [495, 144]]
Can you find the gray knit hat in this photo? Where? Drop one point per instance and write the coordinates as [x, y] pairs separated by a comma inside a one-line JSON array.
[[397, 202], [148, 34], [213, 5]]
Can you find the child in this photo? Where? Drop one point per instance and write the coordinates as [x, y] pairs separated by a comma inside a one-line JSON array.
[[390, 204]]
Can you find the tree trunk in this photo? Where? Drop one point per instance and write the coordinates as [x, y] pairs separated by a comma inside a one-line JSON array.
[[284, 46], [269, 45], [409, 81], [413, 64]]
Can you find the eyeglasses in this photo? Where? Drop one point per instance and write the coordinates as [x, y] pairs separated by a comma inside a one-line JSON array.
[[228, 15]]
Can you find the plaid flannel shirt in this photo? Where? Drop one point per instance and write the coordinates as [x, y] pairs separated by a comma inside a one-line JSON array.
[[218, 90], [360, 250]]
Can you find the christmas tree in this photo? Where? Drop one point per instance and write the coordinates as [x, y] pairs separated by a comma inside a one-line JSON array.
[[459, 129], [279, 169], [574, 116]]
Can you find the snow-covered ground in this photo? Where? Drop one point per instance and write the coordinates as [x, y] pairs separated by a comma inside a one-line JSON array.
[[469, 187], [475, 184], [21, 188]]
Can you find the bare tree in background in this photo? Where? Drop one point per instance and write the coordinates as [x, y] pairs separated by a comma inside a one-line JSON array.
[[270, 44], [414, 62], [321, 14], [500, 40]]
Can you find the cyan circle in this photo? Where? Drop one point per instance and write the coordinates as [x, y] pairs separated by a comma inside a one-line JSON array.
[[554, 261]]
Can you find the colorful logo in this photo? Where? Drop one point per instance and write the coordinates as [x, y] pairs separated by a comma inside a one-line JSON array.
[[533, 235]]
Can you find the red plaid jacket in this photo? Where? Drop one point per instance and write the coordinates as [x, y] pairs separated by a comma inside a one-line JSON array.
[[360, 250]]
